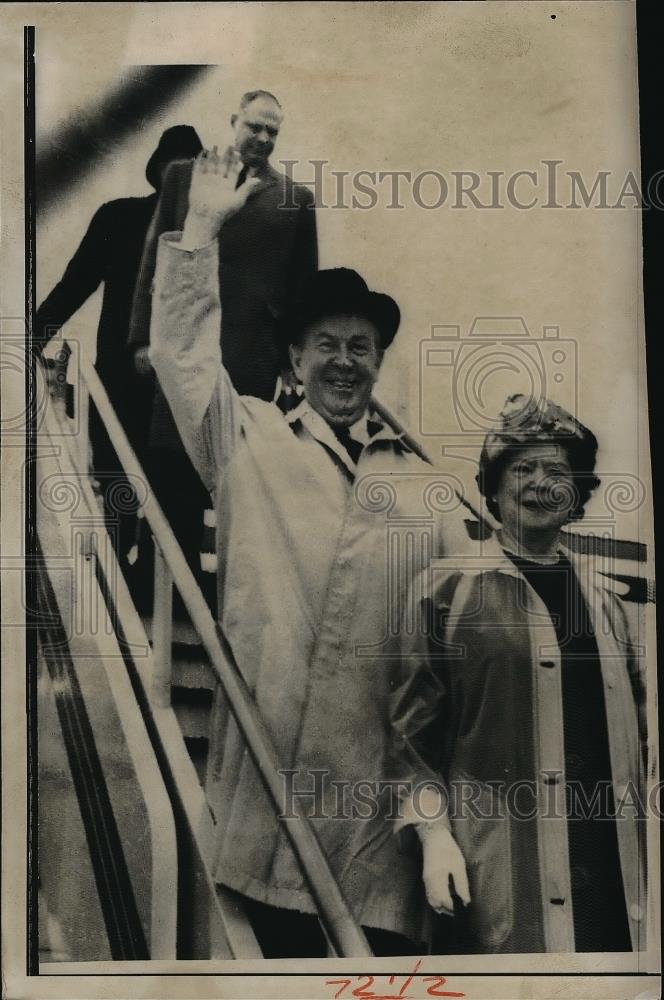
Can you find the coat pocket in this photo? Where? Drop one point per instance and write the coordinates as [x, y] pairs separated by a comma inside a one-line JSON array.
[[481, 827]]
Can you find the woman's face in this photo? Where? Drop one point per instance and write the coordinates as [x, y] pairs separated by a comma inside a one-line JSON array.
[[536, 491]]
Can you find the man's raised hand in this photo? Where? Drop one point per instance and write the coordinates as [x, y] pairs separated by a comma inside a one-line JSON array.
[[213, 197]]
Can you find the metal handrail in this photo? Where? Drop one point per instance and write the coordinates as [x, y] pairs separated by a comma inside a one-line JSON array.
[[346, 936], [388, 418]]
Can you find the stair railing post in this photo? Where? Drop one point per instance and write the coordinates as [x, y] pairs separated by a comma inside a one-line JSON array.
[[162, 631], [82, 404], [81, 417]]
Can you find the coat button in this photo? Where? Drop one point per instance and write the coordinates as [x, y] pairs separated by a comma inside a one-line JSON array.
[[635, 911]]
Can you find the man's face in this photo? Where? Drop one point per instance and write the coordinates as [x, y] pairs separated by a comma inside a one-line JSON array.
[[256, 128], [536, 490], [338, 362]]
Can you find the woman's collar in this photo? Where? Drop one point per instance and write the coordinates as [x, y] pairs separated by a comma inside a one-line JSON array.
[[492, 555], [544, 559]]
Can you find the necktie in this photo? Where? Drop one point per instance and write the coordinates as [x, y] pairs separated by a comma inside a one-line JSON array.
[[241, 178], [353, 447]]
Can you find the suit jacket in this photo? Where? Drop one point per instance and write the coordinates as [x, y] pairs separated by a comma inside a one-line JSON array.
[[267, 249], [110, 252]]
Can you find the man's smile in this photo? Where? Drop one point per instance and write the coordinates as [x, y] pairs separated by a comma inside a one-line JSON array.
[[342, 383]]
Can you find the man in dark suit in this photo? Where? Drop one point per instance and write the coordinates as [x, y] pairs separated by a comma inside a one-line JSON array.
[[110, 253], [268, 248]]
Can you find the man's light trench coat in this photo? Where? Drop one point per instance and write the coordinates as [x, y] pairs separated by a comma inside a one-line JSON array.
[[313, 573], [480, 704]]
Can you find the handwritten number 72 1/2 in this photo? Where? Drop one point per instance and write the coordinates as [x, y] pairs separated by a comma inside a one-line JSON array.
[[363, 986]]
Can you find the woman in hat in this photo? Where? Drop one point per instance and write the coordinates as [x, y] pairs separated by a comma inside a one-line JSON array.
[[517, 717]]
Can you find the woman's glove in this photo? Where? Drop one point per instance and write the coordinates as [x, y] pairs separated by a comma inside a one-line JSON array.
[[442, 860]]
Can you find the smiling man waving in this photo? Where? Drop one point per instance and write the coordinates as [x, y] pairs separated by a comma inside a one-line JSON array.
[[306, 589]]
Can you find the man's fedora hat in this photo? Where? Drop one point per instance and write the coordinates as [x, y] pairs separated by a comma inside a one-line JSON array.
[[340, 291], [180, 142]]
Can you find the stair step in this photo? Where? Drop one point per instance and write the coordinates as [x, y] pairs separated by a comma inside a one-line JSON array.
[[191, 666], [192, 688], [184, 632], [193, 723], [194, 674]]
